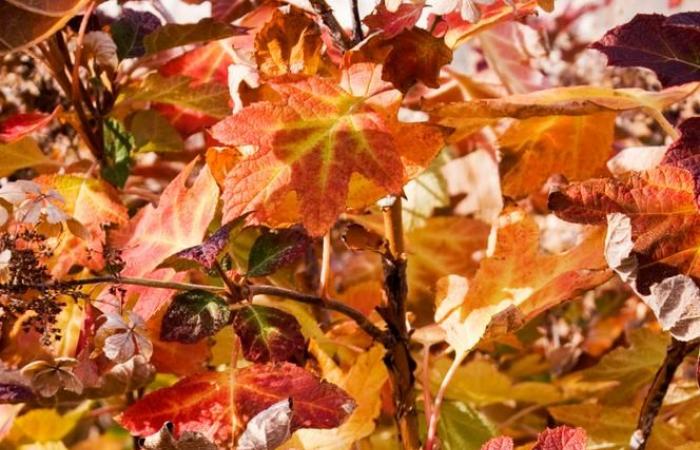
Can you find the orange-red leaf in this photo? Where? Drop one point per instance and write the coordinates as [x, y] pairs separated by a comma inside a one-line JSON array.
[[561, 438]]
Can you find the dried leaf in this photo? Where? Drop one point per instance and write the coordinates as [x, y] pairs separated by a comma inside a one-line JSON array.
[[268, 429], [392, 23]]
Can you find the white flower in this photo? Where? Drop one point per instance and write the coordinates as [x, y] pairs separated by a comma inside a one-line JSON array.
[[30, 202]]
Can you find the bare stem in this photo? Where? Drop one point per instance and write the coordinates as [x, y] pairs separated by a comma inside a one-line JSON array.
[[325, 266], [326, 13], [663, 122], [326, 303], [358, 35], [430, 440], [675, 353]]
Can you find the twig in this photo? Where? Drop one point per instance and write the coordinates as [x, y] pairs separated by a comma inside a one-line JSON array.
[[357, 35], [75, 76], [326, 13], [233, 288], [327, 303], [399, 360], [675, 353], [59, 285], [430, 440], [663, 122]]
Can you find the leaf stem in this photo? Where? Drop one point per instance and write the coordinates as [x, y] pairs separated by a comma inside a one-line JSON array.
[[430, 440], [668, 128], [325, 266], [675, 353], [327, 303]]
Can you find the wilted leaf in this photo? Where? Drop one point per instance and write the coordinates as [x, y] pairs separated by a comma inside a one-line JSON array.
[[289, 43], [194, 315], [177, 34], [118, 145], [667, 45], [311, 144], [273, 250], [268, 429], [202, 402], [561, 438], [153, 133], [129, 31], [20, 155], [269, 334], [164, 440], [27, 23]]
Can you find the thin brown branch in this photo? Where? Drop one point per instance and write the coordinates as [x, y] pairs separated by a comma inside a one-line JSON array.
[[324, 280], [327, 303], [326, 13], [358, 34], [675, 353], [75, 75], [68, 284]]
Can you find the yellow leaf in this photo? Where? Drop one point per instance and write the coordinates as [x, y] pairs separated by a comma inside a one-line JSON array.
[[47, 425], [20, 155], [516, 281], [364, 383]]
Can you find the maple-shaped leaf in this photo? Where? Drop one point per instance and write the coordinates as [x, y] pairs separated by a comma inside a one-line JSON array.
[[290, 43], [269, 334], [498, 443], [392, 23], [670, 46], [516, 281], [312, 142], [561, 438], [202, 403], [17, 126], [655, 237]]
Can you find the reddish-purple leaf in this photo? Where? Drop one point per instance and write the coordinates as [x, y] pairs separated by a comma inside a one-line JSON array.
[[561, 438], [15, 393], [498, 443], [269, 334], [19, 125], [670, 46], [273, 250], [194, 315]]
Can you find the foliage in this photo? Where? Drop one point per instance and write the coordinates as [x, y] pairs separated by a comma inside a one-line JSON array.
[[331, 225]]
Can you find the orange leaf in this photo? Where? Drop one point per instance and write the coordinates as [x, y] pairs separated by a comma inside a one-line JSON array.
[[312, 142]]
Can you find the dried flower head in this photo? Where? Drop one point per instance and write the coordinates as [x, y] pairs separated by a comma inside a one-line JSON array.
[[49, 377]]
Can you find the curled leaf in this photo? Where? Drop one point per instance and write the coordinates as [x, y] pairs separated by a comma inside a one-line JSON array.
[[268, 429]]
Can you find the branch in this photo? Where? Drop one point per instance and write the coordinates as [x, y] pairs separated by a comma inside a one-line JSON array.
[[326, 13], [358, 35], [326, 303], [59, 285], [675, 353]]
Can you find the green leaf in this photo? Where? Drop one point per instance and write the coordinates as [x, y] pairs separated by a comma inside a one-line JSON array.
[[461, 427], [211, 99], [153, 133], [118, 145], [425, 193], [175, 34], [194, 315], [274, 250], [632, 367], [269, 334]]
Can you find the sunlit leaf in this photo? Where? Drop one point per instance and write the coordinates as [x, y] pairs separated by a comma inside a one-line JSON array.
[[273, 250], [269, 334]]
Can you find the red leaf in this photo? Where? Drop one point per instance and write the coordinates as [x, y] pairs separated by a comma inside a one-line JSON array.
[[561, 438], [670, 46], [19, 125], [269, 334], [202, 402], [498, 443], [393, 23]]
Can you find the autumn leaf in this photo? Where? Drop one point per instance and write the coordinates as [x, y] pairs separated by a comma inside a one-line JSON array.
[[130, 30], [310, 146], [194, 315], [201, 403], [268, 429], [561, 438], [28, 22], [269, 334], [498, 443], [20, 155], [667, 45], [272, 251], [516, 281], [290, 43], [17, 126], [392, 23], [658, 237], [175, 34]]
